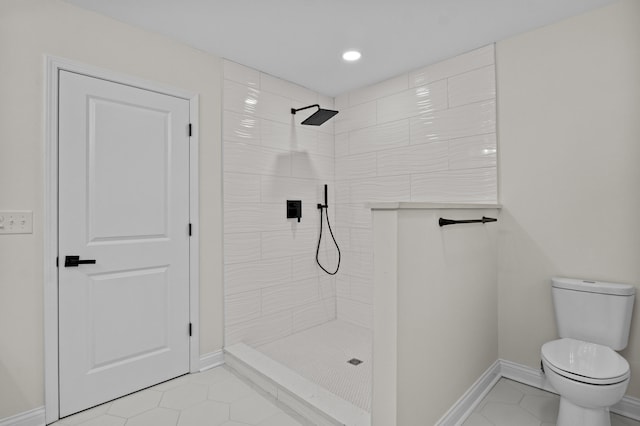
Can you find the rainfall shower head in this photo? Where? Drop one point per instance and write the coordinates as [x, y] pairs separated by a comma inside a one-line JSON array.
[[317, 118]]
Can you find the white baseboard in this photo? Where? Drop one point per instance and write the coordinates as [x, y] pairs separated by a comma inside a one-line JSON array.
[[458, 413], [210, 360], [524, 374], [33, 417], [472, 397], [628, 407]]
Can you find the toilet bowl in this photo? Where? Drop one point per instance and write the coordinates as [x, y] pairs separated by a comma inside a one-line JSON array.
[[589, 378], [593, 320]]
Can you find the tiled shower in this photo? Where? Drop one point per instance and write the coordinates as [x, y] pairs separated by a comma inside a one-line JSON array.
[[272, 285], [423, 136], [427, 135]]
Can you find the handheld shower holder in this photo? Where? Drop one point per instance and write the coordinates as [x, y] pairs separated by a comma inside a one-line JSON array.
[[326, 203], [321, 207]]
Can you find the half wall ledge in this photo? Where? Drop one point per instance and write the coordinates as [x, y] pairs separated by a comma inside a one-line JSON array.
[[413, 205]]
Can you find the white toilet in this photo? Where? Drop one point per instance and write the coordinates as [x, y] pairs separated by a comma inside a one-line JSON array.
[[593, 320]]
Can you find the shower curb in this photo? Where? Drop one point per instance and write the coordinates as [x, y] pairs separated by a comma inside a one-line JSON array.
[[305, 398]]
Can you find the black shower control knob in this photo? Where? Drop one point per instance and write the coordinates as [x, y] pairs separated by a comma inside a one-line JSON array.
[[294, 209]]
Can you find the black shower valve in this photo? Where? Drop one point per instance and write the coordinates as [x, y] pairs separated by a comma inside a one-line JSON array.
[[294, 209]]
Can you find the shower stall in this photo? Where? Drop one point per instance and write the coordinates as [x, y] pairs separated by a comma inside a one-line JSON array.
[[295, 322], [287, 279]]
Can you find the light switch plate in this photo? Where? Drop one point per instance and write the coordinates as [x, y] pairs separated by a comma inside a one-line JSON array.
[[16, 222]]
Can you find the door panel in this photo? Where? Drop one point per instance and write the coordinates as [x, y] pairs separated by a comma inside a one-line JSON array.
[[115, 338], [114, 144], [123, 201]]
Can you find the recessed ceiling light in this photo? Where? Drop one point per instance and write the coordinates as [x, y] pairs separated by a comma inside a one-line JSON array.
[[351, 55]]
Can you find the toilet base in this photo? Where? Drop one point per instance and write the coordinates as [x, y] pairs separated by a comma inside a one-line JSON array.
[[571, 414]]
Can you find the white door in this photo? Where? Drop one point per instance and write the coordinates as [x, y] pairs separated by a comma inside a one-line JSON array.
[[123, 202]]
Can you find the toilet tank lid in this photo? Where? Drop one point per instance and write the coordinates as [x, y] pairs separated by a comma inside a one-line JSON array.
[[593, 286]]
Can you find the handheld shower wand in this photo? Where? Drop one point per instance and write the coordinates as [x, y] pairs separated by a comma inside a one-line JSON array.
[[325, 207], [326, 204]]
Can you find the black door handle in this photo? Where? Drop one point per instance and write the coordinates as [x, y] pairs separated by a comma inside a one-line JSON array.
[[74, 261]]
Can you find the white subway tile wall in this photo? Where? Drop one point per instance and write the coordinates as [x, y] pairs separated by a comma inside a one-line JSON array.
[[413, 102], [452, 67], [272, 285], [427, 135]]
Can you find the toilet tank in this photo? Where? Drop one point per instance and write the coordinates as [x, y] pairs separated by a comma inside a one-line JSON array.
[[593, 311]]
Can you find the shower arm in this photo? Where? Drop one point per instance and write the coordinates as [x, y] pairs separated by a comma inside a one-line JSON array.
[[293, 110]]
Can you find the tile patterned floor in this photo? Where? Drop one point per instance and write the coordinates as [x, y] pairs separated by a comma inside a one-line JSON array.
[[513, 404], [215, 397], [218, 397]]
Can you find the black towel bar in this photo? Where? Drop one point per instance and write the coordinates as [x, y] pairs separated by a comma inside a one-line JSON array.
[[444, 222]]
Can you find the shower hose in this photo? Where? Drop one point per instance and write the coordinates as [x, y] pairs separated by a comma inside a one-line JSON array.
[[325, 207]]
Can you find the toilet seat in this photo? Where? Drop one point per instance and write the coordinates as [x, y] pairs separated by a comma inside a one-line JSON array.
[[585, 362]]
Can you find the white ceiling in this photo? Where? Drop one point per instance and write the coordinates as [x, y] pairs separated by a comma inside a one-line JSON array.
[[303, 40]]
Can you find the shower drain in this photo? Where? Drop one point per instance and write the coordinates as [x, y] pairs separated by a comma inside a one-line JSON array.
[[354, 361]]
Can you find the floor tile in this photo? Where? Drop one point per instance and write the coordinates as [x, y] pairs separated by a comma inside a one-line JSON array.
[[229, 391], [476, 419], [280, 419], [212, 376], [544, 408], [170, 384], [526, 389], [253, 410], [155, 417], [83, 416], [516, 404], [207, 413], [184, 396], [504, 392], [502, 414], [231, 402], [105, 420], [137, 403], [183, 402]]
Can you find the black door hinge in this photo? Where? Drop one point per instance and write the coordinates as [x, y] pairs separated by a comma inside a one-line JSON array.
[[189, 229], [190, 329], [57, 262], [190, 130]]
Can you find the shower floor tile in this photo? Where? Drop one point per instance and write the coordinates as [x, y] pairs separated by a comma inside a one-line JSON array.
[[321, 354]]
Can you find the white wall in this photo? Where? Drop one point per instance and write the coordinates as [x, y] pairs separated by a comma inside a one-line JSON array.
[[273, 287], [444, 330], [29, 29], [569, 146], [425, 135]]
